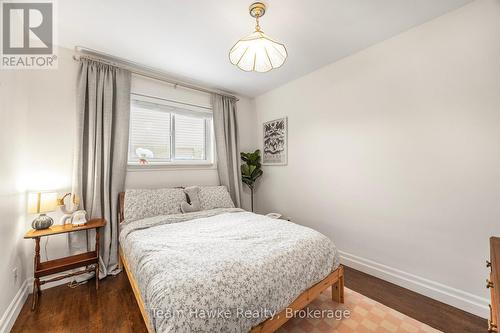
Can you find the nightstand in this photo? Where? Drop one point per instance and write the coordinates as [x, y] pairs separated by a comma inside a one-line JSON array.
[[89, 260]]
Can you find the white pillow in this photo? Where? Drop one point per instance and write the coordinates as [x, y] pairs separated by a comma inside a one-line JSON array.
[[212, 197], [140, 204]]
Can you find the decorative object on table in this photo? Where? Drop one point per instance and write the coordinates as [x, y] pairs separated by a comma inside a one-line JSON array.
[[257, 52], [89, 260], [251, 171], [41, 203], [73, 206], [79, 218], [144, 154], [275, 142]]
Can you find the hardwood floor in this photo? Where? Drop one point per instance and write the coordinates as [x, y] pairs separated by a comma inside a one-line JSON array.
[[63, 309], [78, 310], [433, 313]]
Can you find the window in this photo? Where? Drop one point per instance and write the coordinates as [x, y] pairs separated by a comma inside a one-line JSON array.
[[169, 133]]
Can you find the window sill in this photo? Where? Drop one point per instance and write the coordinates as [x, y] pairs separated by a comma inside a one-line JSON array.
[[170, 167]]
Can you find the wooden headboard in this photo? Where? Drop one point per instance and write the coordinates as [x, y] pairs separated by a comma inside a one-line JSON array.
[[121, 204]]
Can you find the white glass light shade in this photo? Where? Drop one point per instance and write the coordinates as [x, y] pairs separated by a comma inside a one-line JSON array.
[[257, 52]]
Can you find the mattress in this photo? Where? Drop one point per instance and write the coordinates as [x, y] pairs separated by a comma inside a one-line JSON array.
[[222, 270]]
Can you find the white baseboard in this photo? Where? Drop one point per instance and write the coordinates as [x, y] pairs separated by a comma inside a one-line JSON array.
[[452, 296], [10, 315]]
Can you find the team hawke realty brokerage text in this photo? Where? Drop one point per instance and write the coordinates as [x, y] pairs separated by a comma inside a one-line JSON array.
[[28, 35], [262, 313]]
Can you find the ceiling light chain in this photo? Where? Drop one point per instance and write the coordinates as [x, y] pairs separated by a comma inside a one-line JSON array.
[[257, 10]]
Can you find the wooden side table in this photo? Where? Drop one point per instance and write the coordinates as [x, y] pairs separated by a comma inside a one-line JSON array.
[[89, 260]]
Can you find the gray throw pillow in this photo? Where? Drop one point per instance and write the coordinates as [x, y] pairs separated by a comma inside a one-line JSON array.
[[194, 199]]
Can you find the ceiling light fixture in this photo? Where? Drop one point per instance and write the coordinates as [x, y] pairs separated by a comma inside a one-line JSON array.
[[257, 52]]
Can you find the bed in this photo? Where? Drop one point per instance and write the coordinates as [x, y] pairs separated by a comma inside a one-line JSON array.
[[224, 269]]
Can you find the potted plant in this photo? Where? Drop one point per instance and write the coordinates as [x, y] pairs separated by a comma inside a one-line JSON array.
[[251, 170]]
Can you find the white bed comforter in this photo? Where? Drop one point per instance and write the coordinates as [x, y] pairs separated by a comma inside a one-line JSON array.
[[223, 270]]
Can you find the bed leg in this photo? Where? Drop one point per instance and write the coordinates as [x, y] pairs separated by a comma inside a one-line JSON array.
[[338, 287]]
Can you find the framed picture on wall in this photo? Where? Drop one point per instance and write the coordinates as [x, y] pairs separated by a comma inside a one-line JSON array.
[[275, 150]]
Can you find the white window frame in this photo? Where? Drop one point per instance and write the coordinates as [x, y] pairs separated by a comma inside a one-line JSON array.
[[190, 109]]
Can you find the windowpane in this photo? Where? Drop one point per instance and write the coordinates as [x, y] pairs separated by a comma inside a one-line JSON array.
[[164, 132], [149, 134], [190, 136]]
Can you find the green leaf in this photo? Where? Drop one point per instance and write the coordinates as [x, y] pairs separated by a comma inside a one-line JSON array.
[[245, 169], [251, 169]]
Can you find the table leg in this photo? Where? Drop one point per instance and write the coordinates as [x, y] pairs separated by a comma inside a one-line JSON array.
[[97, 252], [34, 295], [36, 281], [88, 244]]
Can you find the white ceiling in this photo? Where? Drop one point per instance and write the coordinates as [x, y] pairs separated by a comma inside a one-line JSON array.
[[190, 39]]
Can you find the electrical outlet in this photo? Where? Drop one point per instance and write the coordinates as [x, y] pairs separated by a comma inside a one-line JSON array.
[[14, 273]]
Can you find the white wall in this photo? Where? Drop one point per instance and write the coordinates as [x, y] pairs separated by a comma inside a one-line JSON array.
[[12, 120], [394, 154], [36, 128]]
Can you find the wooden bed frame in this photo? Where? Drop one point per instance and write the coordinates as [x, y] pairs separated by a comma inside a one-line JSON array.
[[335, 280]]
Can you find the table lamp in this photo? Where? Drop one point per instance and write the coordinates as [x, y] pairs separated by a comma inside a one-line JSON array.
[[41, 203]]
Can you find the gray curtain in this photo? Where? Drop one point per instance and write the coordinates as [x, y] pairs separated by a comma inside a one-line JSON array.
[[103, 111], [226, 143]]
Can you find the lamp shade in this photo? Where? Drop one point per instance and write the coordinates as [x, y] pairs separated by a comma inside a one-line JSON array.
[[42, 202], [257, 52]]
